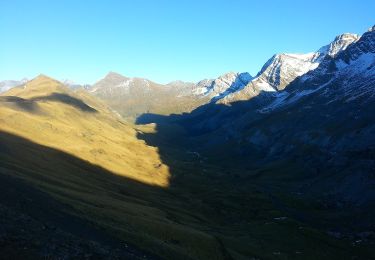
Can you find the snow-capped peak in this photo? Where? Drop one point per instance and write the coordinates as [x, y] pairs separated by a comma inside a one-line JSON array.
[[283, 68], [223, 85], [340, 43]]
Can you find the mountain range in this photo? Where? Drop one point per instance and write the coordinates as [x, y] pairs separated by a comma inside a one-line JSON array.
[[132, 97], [224, 168]]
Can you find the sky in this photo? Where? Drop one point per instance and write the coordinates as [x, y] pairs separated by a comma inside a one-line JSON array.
[[165, 40]]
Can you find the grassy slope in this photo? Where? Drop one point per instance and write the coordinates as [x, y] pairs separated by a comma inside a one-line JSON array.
[[185, 209], [96, 136]]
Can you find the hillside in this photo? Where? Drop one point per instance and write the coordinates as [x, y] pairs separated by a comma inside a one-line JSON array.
[[48, 113], [70, 168]]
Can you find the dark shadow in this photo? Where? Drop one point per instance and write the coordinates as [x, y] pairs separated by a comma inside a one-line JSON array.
[[66, 99], [36, 225], [31, 105], [20, 103]]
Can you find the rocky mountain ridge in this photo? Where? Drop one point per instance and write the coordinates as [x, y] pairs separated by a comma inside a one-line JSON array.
[[132, 97]]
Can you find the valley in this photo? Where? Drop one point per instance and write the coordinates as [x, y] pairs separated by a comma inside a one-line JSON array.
[[276, 166]]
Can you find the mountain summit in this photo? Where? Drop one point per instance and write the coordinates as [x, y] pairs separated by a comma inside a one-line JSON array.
[[282, 69]]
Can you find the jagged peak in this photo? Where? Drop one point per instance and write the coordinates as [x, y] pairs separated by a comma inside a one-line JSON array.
[[229, 74], [234, 76], [266, 65], [346, 36], [371, 29], [204, 82], [340, 43]]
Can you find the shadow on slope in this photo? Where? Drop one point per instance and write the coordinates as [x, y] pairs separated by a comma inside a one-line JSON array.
[[20, 103], [66, 99], [31, 104], [156, 219], [45, 227], [35, 225]]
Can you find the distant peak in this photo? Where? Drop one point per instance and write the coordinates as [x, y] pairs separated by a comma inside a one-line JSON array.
[[179, 82], [113, 74], [340, 43], [234, 75], [347, 36], [371, 29], [43, 77], [230, 73]]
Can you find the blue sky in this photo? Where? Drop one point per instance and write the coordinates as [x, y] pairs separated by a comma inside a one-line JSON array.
[[165, 40]]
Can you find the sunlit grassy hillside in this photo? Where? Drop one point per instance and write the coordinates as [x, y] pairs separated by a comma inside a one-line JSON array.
[[46, 112]]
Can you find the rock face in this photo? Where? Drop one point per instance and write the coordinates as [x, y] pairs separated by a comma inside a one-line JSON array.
[[340, 43]]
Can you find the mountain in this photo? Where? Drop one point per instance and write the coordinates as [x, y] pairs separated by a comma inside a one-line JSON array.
[[282, 69], [74, 85], [308, 109], [8, 84], [307, 130], [275, 75], [132, 97], [222, 86]]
